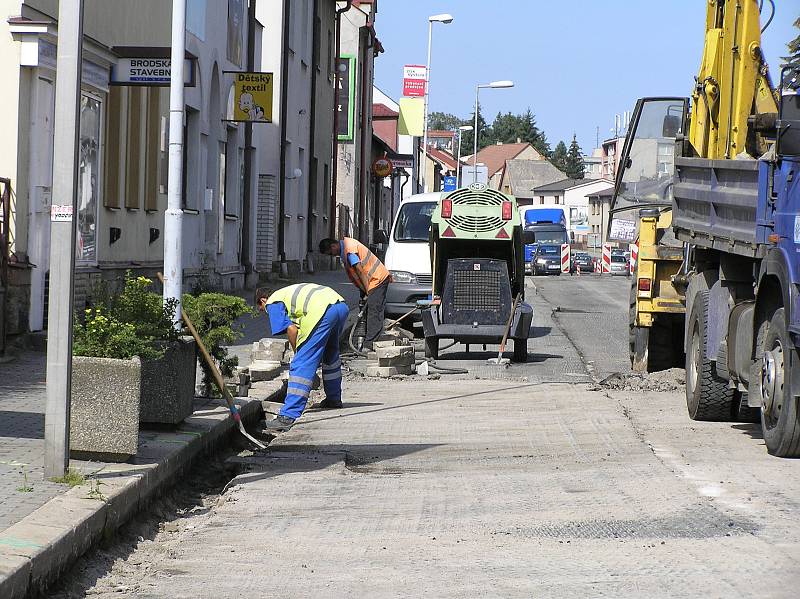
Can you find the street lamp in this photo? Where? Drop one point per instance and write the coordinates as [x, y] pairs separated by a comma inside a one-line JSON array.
[[444, 19], [493, 85], [458, 163]]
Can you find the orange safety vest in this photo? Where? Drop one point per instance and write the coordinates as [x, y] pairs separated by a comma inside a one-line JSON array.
[[374, 268]]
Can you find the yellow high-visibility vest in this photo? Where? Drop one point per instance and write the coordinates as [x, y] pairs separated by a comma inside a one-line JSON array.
[[306, 304]]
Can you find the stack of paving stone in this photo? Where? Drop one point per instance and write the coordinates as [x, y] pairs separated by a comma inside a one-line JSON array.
[[267, 359], [392, 356]]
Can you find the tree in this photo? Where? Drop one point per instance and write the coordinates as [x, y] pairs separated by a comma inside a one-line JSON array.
[[574, 166], [528, 131], [793, 60], [506, 128], [467, 137], [444, 121], [559, 158]]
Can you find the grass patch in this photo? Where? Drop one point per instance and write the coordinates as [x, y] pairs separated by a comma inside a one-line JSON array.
[[73, 478]]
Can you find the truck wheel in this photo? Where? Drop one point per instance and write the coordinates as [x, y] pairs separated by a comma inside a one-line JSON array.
[[520, 350], [779, 417], [707, 394], [432, 348]]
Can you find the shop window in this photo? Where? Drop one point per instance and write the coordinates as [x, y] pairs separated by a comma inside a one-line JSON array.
[[88, 177]]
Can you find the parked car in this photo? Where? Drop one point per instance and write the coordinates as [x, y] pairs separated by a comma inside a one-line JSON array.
[[546, 260], [408, 256], [619, 265], [582, 260]]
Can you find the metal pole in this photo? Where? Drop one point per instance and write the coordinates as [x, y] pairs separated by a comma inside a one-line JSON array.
[[249, 153], [475, 139], [425, 121], [173, 219], [458, 162], [62, 237]]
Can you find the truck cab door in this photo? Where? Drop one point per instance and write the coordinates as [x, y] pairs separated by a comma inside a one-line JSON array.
[[645, 163]]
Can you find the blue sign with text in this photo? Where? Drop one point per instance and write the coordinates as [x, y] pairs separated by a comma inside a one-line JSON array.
[[449, 184]]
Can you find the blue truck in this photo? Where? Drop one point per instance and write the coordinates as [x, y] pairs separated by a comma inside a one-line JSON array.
[[542, 226], [740, 223]]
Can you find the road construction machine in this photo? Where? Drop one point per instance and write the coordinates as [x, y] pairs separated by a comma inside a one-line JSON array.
[[718, 276]]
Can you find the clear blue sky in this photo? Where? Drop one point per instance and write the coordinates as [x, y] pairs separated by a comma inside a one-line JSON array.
[[575, 63]]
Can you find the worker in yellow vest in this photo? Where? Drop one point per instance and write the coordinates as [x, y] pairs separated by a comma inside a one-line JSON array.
[[312, 316], [368, 274]]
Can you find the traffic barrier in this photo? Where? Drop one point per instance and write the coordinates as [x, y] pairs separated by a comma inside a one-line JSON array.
[[597, 266], [565, 252], [606, 258], [634, 248]]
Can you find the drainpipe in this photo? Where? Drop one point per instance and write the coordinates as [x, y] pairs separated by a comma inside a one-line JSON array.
[[335, 153], [364, 170], [247, 261], [312, 183], [284, 112]]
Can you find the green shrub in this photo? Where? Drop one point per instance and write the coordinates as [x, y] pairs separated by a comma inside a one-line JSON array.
[[134, 323], [214, 316]]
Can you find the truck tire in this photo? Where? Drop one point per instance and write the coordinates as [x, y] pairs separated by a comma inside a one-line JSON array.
[[520, 350], [779, 416], [651, 349], [432, 348], [707, 394]]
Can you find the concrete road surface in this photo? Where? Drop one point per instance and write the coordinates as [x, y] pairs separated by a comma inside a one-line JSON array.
[[471, 488]]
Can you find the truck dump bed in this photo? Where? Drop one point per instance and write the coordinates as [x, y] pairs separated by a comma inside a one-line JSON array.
[[715, 204]]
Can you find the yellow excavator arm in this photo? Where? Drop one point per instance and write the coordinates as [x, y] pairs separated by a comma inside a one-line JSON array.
[[733, 82]]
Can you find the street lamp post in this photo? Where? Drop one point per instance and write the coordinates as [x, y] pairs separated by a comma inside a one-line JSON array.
[[478, 88], [458, 162], [445, 19]]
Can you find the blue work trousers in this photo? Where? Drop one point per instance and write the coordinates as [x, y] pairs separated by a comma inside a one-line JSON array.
[[321, 346]]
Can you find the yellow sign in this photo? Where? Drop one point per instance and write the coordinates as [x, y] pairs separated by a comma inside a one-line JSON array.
[[252, 100], [412, 116]]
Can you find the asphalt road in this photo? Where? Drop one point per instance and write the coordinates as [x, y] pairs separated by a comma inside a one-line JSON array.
[[463, 487]]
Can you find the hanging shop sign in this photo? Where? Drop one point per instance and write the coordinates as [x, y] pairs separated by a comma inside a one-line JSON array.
[[382, 167], [414, 78], [252, 97], [148, 66], [345, 94]]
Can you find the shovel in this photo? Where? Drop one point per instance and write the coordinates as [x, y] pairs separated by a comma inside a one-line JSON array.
[[500, 360], [237, 417]]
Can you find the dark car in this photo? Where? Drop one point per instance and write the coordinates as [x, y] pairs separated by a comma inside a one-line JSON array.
[[546, 260], [582, 260]]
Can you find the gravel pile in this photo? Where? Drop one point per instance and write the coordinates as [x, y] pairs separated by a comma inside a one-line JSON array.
[[673, 379]]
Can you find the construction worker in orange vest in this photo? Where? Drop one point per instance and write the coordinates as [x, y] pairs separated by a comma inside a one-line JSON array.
[[368, 274]]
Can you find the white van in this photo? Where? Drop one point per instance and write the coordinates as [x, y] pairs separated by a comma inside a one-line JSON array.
[[408, 256]]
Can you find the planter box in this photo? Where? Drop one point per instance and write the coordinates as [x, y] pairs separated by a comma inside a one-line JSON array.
[[104, 416], [168, 384]]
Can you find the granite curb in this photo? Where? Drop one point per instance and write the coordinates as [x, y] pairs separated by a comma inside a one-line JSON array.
[[37, 550]]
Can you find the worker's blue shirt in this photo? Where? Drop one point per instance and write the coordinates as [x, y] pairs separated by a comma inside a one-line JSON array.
[[278, 318], [352, 259]]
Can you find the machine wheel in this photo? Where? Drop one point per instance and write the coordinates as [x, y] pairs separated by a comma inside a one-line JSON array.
[[520, 350], [432, 348], [707, 394], [779, 417], [651, 349]]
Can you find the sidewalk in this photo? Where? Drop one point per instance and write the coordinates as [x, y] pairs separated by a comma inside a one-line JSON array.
[[44, 526]]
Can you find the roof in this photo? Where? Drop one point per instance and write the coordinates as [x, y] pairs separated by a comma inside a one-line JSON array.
[[495, 157], [381, 111], [446, 158], [562, 185], [522, 176], [441, 133], [603, 193]]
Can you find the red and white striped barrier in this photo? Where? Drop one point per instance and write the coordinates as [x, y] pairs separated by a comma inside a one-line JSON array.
[[634, 248], [565, 258], [597, 266], [606, 258]]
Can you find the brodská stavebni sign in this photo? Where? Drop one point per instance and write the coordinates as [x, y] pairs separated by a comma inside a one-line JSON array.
[[252, 97], [154, 71]]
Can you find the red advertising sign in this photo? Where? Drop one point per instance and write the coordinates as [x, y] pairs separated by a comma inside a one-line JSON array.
[[414, 80]]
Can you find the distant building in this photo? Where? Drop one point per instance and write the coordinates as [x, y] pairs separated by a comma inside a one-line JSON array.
[[593, 165], [574, 195], [599, 207], [441, 139], [496, 156], [521, 177]]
